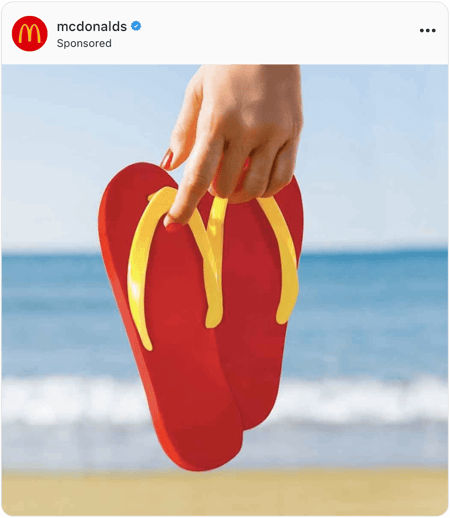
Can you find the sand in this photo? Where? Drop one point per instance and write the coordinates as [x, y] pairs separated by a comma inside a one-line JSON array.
[[399, 491]]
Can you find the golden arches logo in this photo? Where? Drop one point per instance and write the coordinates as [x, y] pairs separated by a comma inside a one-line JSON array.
[[30, 32]]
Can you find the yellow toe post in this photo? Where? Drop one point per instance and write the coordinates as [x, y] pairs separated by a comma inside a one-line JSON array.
[[159, 204], [288, 259]]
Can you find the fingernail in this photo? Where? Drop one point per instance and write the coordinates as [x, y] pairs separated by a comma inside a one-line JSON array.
[[167, 160], [246, 165], [174, 227], [170, 225]]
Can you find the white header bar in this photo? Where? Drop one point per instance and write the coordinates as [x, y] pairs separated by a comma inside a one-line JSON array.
[[231, 32]]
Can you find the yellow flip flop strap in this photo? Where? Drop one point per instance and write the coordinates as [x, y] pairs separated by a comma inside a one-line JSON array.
[[215, 232], [288, 259], [159, 204]]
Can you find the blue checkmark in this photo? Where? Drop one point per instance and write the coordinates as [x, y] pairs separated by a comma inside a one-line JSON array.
[[136, 26]]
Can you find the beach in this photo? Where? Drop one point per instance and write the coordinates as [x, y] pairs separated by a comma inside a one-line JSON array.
[[359, 426], [313, 491]]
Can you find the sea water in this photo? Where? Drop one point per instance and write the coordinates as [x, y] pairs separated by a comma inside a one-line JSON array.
[[364, 376]]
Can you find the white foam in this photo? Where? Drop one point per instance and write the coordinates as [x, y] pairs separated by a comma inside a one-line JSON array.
[[57, 400], [342, 401], [69, 399]]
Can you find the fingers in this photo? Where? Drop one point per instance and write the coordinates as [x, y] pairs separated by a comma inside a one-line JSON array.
[[282, 169], [200, 170], [270, 169], [258, 176], [230, 171], [183, 135]]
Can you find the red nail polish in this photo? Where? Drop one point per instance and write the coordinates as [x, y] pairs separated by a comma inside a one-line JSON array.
[[246, 165], [243, 173], [167, 160], [174, 227]]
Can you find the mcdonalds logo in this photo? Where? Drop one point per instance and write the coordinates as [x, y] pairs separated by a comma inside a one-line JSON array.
[[29, 33]]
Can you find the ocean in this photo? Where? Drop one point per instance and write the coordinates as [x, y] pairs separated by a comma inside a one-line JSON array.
[[364, 376]]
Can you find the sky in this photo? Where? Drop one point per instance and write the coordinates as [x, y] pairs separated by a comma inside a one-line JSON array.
[[372, 162]]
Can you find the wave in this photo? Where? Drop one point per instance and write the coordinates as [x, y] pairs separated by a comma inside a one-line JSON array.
[[63, 400], [352, 401]]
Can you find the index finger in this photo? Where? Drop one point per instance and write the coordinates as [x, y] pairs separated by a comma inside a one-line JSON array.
[[199, 173]]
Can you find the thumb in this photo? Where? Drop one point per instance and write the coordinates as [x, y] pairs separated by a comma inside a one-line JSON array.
[[183, 135]]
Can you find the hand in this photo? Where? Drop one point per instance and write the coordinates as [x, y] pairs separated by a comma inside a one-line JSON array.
[[231, 113]]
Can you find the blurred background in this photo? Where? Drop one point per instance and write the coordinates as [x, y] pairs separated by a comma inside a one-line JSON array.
[[365, 368]]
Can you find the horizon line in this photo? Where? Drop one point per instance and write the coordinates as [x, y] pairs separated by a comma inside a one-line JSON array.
[[305, 251]]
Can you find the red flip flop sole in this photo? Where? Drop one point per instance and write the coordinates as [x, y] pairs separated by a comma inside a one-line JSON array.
[[194, 413], [250, 341]]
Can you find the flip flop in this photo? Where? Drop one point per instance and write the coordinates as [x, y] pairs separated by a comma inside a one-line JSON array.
[[257, 248], [167, 292]]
